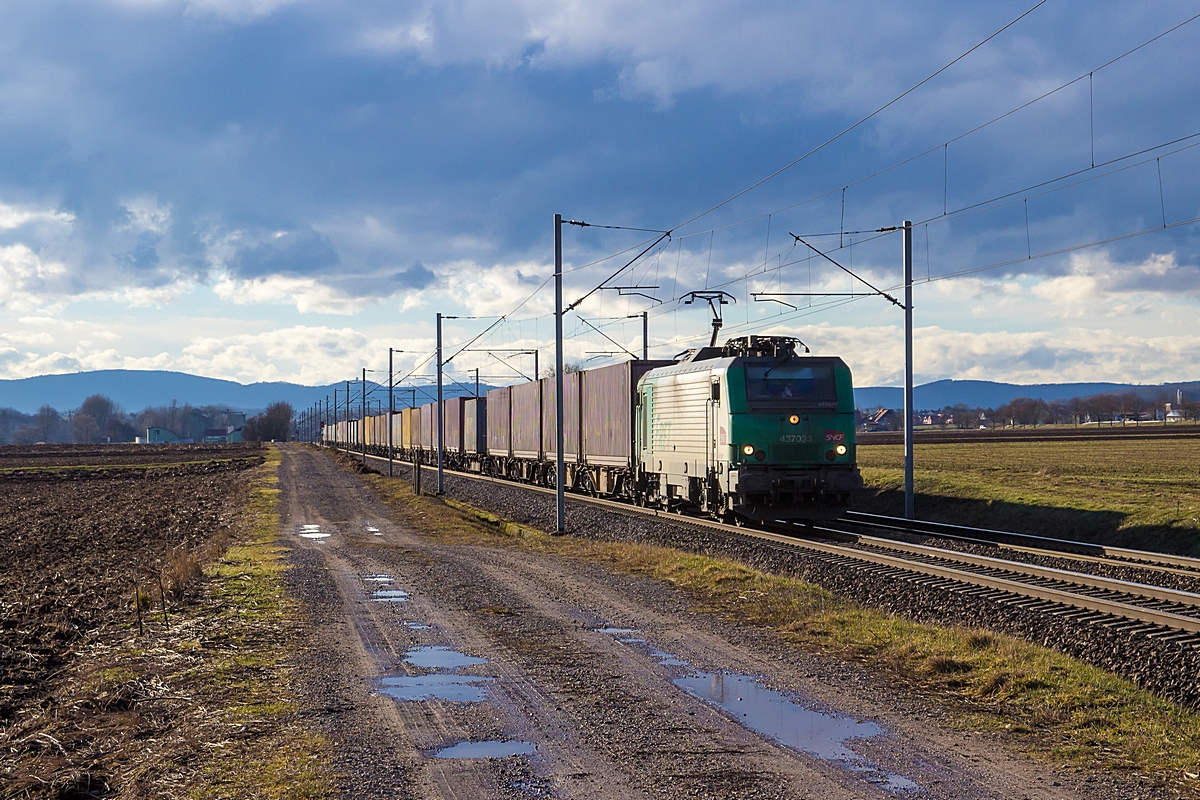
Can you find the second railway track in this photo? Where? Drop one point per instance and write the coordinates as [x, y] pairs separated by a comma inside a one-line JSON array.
[[1160, 612]]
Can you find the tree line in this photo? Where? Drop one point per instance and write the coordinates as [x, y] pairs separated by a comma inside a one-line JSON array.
[[1117, 408], [99, 418]]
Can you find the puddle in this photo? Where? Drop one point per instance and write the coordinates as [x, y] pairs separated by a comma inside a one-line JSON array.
[[438, 657], [772, 714], [312, 532], [417, 626], [492, 749], [456, 688], [389, 596], [616, 631], [666, 659], [378, 578]]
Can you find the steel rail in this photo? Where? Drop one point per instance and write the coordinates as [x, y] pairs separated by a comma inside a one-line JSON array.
[[1113, 608], [915, 530], [1186, 564], [1035, 570]]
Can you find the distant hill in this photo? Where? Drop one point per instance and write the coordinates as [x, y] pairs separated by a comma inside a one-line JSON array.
[[136, 389], [990, 394]]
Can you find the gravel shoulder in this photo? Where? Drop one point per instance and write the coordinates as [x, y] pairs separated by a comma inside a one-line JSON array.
[[575, 666]]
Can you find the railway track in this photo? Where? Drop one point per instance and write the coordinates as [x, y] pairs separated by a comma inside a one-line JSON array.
[[1034, 545], [1161, 613]]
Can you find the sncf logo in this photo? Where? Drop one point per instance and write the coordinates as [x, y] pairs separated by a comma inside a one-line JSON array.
[[835, 436]]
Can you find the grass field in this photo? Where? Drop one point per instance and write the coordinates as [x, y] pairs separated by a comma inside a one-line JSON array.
[[1135, 493]]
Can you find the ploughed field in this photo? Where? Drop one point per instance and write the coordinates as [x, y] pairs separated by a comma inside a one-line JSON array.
[[89, 455], [1140, 493], [73, 542]]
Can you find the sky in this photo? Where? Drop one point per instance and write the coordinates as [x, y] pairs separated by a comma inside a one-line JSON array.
[[284, 189]]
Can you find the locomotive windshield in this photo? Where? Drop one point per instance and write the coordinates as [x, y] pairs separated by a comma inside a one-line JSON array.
[[791, 383]]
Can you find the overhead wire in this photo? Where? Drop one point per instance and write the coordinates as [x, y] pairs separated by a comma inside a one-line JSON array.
[[951, 140], [863, 120]]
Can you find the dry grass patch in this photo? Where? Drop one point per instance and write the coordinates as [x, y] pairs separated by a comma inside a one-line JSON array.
[[1051, 705], [1134, 493]]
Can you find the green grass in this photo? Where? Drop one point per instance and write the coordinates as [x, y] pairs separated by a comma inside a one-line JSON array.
[[1045, 703], [1137, 493], [251, 672]]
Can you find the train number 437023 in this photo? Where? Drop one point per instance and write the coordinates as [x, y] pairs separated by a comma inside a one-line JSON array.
[[796, 438]]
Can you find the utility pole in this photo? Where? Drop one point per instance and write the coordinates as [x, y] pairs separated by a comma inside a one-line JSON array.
[[391, 410], [362, 425], [645, 336], [441, 410], [559, 463], [477, 385], [335, 420], [909, 504], [347, 417]]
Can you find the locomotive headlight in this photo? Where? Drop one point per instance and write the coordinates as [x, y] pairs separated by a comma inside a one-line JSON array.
[[841, 449], [794, 419], [748, 450]]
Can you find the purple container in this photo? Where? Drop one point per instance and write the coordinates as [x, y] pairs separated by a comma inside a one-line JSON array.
[[609, 401], [429, 426], [499, 422], [527, 420], [571, 416], [454, 425], [410, 428], [475, 425]]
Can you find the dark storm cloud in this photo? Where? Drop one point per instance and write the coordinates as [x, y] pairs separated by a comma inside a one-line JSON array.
[[286, 253], [458, 132], [415, 277]]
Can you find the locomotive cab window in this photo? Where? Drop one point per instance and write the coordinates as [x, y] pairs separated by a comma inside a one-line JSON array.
[[796, 383]]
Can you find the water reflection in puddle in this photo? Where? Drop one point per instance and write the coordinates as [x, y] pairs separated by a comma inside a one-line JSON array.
[[390, 596], [666, 659], [378, 578], [438, 657], [455, 688], [417, 626], [772, 714], [312, 532], [492, 749]]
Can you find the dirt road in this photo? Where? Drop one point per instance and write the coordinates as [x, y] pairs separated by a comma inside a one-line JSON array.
[[601, 685]]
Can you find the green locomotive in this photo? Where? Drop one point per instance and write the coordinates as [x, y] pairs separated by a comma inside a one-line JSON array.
[[751, 430]]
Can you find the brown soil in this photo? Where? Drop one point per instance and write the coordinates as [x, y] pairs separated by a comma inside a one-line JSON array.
[[62, 455], [73, 544]]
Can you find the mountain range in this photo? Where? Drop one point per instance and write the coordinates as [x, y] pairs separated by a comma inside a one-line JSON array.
[[990, 394], [137, 389]]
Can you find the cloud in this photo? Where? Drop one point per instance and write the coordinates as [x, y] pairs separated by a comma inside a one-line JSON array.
[[240, 11], [301, 252], [18, 216], [25, 278], [306, 294], [1098, 285], [876, 354]]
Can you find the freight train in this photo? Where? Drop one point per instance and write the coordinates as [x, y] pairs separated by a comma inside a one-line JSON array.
[[751, 431]]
